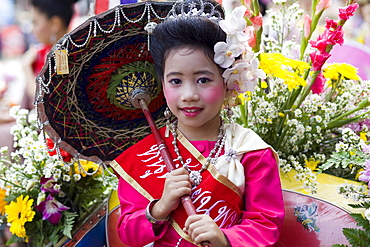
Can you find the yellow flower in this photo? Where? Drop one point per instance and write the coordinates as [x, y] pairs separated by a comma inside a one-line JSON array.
[[281, 114], [245, 97], [264, 84], [88, 166], [359, 173], [270, 63], [19, 212], [312, 164], [2, 202], [363, 136], [332, 71], [290, 70]]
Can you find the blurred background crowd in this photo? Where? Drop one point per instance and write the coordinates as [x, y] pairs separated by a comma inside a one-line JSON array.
[[29, 28]]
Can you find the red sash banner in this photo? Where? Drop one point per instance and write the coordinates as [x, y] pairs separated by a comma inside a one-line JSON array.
[[142, 166]]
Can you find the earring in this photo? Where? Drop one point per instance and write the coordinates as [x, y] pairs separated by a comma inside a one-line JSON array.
[[228, 112], [167, 115]]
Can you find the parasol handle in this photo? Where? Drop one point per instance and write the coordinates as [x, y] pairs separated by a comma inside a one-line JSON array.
[[185, 200]]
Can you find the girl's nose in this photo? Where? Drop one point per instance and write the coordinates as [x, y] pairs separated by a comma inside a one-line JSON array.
[[190, 92]]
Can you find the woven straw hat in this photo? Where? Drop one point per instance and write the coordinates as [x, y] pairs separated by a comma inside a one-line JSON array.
[[82, 91]]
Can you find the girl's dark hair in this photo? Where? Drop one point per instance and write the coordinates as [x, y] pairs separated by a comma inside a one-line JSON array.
[[61, 8], [180, 32]]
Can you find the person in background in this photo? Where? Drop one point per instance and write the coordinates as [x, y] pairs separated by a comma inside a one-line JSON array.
[[50, 21]]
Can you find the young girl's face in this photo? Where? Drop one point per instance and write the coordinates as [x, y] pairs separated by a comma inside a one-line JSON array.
[[194, 90], [41, 26]]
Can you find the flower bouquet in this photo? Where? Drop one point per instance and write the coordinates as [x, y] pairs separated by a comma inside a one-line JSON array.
[[304, 104], [45, 194], [315, 114]]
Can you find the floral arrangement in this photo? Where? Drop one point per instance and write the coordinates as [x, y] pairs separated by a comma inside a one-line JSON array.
[[315, 114], [45, 194]]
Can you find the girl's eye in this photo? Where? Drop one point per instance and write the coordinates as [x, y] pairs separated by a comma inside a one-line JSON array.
[[203, 80], [175, 81]]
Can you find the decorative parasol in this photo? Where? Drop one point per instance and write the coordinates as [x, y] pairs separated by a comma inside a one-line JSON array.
[[82, 91]]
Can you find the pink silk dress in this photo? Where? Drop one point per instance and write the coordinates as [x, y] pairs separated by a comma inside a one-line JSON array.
[[262, 217]]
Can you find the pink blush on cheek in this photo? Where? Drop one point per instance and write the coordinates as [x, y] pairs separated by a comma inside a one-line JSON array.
[[214, 95]]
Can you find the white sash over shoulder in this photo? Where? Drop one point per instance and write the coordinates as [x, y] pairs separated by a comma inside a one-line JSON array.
[[239, 140]]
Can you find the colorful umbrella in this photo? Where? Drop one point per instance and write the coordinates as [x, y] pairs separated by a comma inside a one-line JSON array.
[[82, 96]]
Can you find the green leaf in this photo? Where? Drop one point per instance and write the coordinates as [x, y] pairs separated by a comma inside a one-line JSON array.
[[361, 221], [68, 223], [13, 239]]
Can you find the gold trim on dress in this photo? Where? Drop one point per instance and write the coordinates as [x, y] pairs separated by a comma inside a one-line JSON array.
[[114, 164]]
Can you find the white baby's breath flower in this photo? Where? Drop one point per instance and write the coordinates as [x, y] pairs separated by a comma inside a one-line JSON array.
[[367, 214], [30, 169], [66, 178], [4, 149], [57, 187], [77, 176], [13, 111], [298, 113], [341, 146]]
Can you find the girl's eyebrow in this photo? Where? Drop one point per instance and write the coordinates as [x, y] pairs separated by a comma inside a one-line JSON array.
[[200, 72], [204, 72]]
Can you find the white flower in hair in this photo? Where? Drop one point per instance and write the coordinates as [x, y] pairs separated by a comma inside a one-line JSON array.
[[242, 74], [234, 26], [237, 76], [225, 53]]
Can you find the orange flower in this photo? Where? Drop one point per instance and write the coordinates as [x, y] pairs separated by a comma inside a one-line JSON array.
[[2, 202]]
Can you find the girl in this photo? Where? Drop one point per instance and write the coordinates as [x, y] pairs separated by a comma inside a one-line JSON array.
[[230, 174], [50, 21]]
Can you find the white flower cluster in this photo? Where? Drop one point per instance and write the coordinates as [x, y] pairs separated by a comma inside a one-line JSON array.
[[242, 73], [304, 128], [282, 33], [353, 192], [351, 141], [31, 159]]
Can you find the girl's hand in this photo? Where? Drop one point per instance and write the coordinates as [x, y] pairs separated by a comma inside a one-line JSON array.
[[202, 228], [177, 184]]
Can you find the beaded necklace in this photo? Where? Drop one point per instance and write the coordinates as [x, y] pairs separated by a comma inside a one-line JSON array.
[[196, 176]]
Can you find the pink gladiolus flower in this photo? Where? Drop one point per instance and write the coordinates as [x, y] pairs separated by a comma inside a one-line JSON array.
[[331, 24], [322, 5], [348, 11], [336, 36], [318, 59], [248, 13], [47, 185], [257, 21], [252, 36], [320, 43], [50, 210], [307, 25], [332, 35], [318, 86], [247, 3]]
